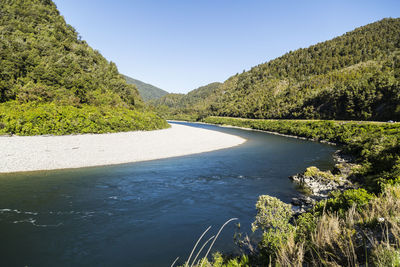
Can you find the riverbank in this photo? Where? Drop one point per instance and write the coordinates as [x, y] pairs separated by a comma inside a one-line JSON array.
[[255, 129], [354, 224], [33, 153], [373, 145]]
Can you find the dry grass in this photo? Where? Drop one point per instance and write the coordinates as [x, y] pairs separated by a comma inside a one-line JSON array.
[[387, 206], [370, 237], [357, 238], [292, 254], [333, 242]]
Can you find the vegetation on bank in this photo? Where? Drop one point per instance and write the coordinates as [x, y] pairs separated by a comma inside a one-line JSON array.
[[49, 118], [375, 145], [46, 67], [351, 228]]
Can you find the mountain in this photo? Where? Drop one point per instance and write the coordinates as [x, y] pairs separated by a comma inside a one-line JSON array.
[[46, 68], [147, 91], [198, 98], [192, 102], [353, 76]]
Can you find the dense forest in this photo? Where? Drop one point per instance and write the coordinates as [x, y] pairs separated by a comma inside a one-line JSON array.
[[353, 76], [147, 91], [43, 60], [188, 105]]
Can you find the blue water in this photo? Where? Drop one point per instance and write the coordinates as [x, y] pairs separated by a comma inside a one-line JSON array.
[[149, 213]]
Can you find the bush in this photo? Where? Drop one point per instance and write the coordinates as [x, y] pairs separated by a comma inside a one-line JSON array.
[[273, 219], [342, 201], [271, 213], [49, 118], [306, 224]]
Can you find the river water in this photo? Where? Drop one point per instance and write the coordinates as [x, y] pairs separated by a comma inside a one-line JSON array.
[[148, 213]]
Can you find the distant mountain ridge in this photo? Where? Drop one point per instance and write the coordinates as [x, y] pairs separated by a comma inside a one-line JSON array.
[[147, 91], [197, 99]]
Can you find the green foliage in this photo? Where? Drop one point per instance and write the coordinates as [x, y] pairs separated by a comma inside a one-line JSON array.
[[193, 104], [352, 77], [342, 201], [315, 172], [385, 255], [219, 261], [330, 239], [169, 100], [147, 91], [306, 224], [273, 219], [49, 118], [375, 145], [271, 213], [44, 61]]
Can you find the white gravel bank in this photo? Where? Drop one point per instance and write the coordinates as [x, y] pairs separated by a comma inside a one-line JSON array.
[[32, 153]]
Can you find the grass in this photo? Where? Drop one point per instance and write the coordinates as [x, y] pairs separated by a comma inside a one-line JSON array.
[[355, 238], [204, 260]]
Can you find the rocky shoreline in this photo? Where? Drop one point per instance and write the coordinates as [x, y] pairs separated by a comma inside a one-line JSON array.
[[316, 185]]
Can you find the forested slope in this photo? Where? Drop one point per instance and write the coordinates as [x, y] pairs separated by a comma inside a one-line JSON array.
[[43, 60], [147, 91], [192, 103], [353, 76]]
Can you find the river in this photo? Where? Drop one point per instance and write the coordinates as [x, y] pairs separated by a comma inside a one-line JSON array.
[[146, 213]]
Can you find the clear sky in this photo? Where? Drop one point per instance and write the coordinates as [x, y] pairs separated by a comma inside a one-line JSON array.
[[179, 45]]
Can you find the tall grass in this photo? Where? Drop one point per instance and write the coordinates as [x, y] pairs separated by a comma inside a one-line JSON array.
[[370, 236], [204, 261]]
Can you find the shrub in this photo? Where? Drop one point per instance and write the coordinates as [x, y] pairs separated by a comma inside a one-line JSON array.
[[271, 213], [273, 219], [49, 118], [342, 201]]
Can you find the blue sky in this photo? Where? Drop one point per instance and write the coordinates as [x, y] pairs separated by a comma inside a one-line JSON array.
[[179, 45]]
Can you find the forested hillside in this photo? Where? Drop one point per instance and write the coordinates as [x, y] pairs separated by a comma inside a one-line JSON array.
[[43, 60], [192, 103], [147, 91], [354, 76]]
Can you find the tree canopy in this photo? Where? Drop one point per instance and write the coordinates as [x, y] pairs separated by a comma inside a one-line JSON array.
[[44, 59], [49, 74], [353, 76]]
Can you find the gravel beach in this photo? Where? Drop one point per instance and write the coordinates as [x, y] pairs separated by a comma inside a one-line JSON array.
[[33, 153]]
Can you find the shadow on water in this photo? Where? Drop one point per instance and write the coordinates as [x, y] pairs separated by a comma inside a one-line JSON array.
[[148, 213]]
